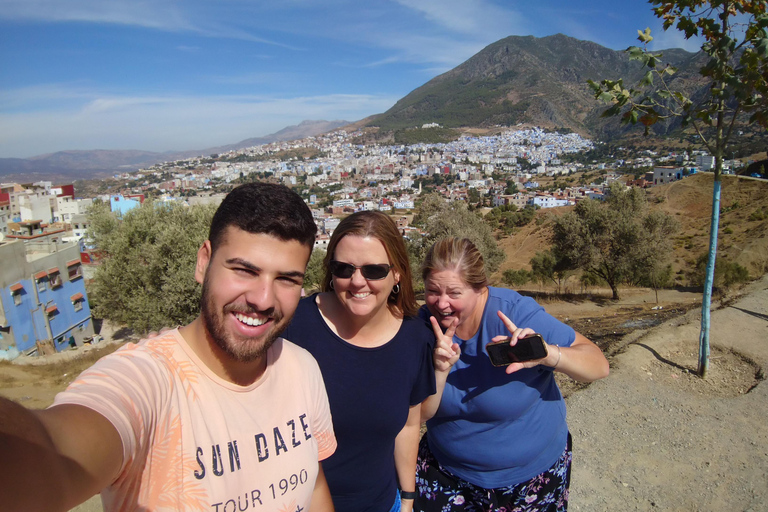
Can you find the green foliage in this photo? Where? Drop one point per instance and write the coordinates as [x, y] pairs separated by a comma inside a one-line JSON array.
[[434, 135], [440, 219], [315, 271], [507, 218], [516, 277], [146, 277], [616, 241], [727, 273], [735, 35], [550, 266]]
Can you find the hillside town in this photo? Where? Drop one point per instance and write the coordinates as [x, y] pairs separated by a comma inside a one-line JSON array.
[[44, 226]]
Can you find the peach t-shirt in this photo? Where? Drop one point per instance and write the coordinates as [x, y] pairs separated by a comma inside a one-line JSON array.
[[195, 442]]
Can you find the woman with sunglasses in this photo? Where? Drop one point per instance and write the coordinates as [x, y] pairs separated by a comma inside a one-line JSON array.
[[376, 360]]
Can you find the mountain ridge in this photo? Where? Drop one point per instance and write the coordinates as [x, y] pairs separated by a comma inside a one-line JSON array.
[[70, 165], [528, 80]]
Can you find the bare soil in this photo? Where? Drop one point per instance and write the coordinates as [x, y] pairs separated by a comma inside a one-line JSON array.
[[651, 436]]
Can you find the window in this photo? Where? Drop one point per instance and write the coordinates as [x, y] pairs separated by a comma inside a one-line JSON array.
[[74, 269], [54, 277], [51, 309], [77, 301], [16, 290], [41, 278]]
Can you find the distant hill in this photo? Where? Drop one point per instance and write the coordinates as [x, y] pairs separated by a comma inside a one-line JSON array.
[[743, 236], [64, 166], [529, 80]]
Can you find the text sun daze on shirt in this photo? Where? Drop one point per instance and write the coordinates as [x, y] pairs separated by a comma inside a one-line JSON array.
[[274, 444]]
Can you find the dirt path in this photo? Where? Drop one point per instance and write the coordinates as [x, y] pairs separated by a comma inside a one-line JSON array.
[[654, 437], [651, 436]]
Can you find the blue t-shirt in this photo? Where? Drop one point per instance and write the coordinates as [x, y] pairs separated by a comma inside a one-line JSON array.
[[494, 429], [370, 391]]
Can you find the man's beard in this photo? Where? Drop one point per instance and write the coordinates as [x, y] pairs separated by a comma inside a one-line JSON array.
[[242, 350]]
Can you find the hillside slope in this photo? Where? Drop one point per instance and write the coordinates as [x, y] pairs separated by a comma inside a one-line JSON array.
[[743, 235]]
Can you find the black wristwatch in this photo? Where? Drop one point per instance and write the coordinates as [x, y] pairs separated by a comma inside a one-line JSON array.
[[408, 495]]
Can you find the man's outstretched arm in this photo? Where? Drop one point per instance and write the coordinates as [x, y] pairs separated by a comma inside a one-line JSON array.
[[56, 458]]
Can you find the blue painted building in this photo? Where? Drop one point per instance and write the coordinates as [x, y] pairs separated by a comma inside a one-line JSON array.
[[44, 302], [123, 205]]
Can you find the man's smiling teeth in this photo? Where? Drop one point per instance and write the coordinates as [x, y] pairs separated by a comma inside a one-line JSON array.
[[250, 320]]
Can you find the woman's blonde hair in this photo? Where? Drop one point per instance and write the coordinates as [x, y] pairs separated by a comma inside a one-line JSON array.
[[459, 255]]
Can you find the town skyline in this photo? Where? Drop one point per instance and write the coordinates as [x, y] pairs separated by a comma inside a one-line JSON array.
[[167, 77]]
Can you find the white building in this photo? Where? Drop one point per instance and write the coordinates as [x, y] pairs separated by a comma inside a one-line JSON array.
[[705, 162], [662, 175], [549, 202], [341, 203], [66, 207], [35, 206]]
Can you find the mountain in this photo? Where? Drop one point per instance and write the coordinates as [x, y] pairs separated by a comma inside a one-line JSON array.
[[68, 166], [299, 131], [528, 80]]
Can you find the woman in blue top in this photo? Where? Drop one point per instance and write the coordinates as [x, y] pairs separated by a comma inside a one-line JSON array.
[[497, 440], [376, 358]]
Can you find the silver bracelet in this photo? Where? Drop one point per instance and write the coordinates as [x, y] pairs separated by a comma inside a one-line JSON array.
[[559, 354]]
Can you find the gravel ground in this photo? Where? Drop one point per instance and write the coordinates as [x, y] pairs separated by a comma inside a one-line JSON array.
[[653, 436]]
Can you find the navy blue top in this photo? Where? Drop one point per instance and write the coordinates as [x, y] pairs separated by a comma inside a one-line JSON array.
[[370, 391], [494, 429]]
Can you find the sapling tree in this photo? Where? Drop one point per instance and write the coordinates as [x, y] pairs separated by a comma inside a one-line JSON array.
[[734, 35]]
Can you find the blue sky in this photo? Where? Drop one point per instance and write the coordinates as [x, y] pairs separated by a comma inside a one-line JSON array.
[[163, 75]]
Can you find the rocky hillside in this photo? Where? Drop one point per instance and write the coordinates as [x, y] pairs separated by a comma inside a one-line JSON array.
[[529, 80]]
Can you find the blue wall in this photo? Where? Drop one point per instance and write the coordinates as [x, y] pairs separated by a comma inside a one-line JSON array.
[[27, 319]]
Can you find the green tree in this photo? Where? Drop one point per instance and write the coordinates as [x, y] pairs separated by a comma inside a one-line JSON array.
[[473, 196], [657, 276], [612, 240], [727, 273], [516, 277], [440, 219], [545, 266], [735, 42], [315, 271], [146, 277]]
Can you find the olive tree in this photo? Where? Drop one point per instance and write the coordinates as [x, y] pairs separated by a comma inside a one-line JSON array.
[[613, 240], [145, 278], [439, 219], [735, 46]]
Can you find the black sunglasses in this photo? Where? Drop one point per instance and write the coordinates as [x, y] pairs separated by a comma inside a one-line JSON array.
[[370, 272]]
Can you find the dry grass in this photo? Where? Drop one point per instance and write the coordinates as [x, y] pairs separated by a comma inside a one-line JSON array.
[[57, 374], [743, 237]]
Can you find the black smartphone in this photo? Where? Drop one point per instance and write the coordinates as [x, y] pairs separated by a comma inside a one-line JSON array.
[[527, 349]]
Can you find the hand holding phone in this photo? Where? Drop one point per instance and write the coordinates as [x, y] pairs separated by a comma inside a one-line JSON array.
[[529, 348]]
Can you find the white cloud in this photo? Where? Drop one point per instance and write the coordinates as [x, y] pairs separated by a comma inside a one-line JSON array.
[[671, 38], [164, 15], [476, 18], [153, 14], [159, 123]]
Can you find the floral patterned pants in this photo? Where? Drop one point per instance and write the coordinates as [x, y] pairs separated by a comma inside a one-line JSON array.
[[440, 491]]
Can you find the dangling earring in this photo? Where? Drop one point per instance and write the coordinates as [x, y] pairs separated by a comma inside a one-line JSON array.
[[396, 289], [330, 285]]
